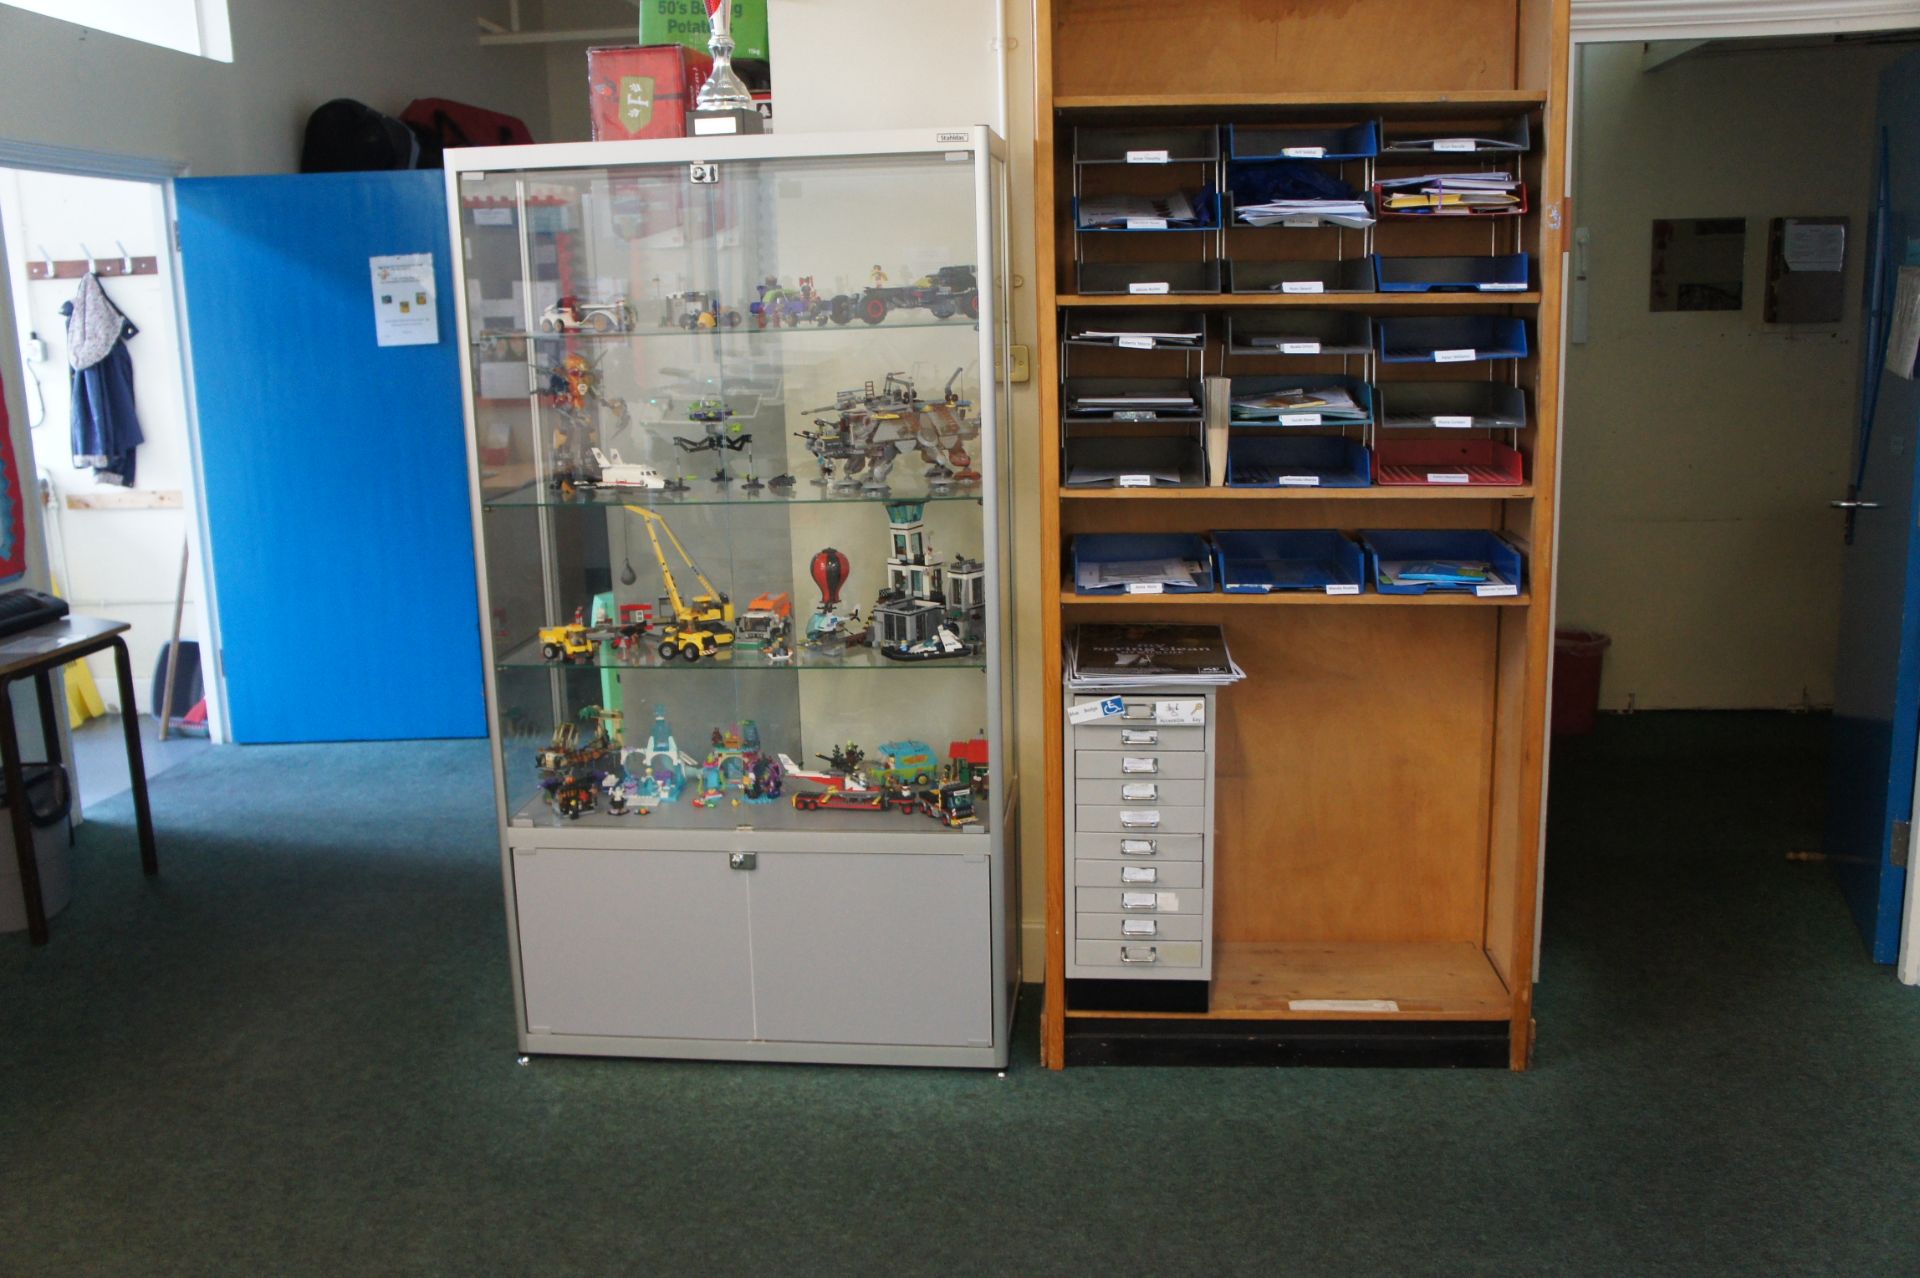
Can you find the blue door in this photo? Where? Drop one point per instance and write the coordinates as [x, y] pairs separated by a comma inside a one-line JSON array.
[[335, 473], [1877, 683]]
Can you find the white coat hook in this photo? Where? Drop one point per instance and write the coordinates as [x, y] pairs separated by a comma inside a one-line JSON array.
[[47, 258], [126, 259], [86, 253]]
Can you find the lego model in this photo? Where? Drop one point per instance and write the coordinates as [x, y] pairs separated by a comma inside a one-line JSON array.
[[778, 305], [573, 392], [949, 291], [720, 434], [702, 625], [967, 761], [662, 774], [829, 570], [569, 642], [572, 314], [571, 771], [697, 309], [853, 800], [903, 763], [580, 639], [615, 473], [950, 803], [735, 761], [767, 621], [857, 447], [910, 621]]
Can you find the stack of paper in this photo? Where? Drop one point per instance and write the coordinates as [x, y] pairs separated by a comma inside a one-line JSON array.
[[1120, 657], [1133, 404], [1292, 194], [1455, 573], [1330, 405], [1142, 212], [1450, 193], [1137, 338], [1187, 574]]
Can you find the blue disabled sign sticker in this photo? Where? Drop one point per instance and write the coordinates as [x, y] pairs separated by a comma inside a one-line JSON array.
[[1089, 711]]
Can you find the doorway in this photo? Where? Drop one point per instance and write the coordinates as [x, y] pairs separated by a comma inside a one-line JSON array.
[[120, 530], [1723, 198]]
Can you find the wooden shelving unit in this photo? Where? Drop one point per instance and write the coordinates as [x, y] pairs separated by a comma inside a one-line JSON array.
[[1380, 771]]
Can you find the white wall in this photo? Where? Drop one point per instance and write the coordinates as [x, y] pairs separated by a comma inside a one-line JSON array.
[[69, 86], [1701, 448], [120, 564]]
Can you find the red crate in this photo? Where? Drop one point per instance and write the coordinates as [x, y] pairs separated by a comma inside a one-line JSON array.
[[1437, 461]]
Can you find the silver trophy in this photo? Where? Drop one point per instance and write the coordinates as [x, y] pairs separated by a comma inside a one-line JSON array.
[[723, 105]]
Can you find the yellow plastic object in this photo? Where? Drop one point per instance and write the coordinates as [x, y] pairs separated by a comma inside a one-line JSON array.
[[83, 694]]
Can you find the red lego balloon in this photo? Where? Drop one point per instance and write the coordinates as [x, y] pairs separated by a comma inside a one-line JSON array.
[[830, 571]]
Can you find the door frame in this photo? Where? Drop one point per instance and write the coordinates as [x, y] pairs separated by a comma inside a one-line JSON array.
[[161, 172], [1652, 22]]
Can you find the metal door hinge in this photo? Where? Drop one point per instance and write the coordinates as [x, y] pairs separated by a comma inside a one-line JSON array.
[[175, 228], [1901, 843], [743, 860]]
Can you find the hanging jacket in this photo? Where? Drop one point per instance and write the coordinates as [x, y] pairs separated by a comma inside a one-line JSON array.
[[106, 426]]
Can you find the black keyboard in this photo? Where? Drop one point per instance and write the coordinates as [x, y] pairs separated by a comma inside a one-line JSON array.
[[25, 609]]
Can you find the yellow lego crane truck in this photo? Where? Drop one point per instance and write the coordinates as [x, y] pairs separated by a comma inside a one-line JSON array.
[[700, 626]]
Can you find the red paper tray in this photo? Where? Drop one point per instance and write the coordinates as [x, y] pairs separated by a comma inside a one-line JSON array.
[[1419, 461]]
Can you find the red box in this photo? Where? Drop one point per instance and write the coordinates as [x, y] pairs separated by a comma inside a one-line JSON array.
[[643, 91]]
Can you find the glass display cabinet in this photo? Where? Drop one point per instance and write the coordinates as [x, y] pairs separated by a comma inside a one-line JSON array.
[[736, 422]]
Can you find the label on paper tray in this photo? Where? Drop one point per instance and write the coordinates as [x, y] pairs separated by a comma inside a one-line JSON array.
[[1299, 348], [1447, 421], [1343, 588], [1146, 587], [1342, 1005], [1094, 711], [1146, 224], [1302, 221], [1297, 481], [1455, 144], [1496, 589], [1299, 419], [1153, 286], [1503, 287], [1304, 152], [1302, 286], [1132, 343], [1146, 157], [1136, 481], [1183, 711], [1448, 477], [1455, 357]]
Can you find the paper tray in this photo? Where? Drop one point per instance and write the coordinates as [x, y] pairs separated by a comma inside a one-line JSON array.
[[1258, 563], [1266, 142], [1097, 278], [1327, 332], [1361, 392], [1206, 206], [1080, 322], [1108, 548], [1467, 462], [1353, 275], [1269, 459], [1477, 545], [1424, 143], [1379, 196], [1504, 273], [1451, 405], [1077, 387], [1200, 145], [1135, 461], [1451, 339]]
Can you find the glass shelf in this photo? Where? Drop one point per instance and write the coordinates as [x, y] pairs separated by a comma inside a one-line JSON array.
[[744, 329], [777, 815], [526, 656], [704, 492]]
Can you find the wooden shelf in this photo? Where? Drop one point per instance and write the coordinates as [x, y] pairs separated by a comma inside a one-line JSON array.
[[1424, 101], [1382, 492], [1349, 301], [1220, 598], [1427, 980]]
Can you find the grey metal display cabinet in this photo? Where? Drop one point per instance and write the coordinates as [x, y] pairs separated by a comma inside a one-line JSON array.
[[711, 385]]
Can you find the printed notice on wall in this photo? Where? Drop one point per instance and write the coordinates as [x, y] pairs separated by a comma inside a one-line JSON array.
[[404, 313], [1903, 335]]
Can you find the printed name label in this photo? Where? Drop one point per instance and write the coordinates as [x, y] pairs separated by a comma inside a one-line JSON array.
[[1091, 711], [1146, 588], [1299, 348], [1503, 288], [1136, 481], [1146, 224], [1302, 286], [1455, 357], [1452, 422], [1304, 152], [1447, 477], [1299, 419], [1136, 343], [1455, 144], [1146, 157], [1298, 481], [1343, 588], [1154, 286], [1495, 589]]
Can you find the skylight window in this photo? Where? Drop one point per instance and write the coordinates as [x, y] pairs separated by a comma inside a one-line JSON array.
[[198, 27]]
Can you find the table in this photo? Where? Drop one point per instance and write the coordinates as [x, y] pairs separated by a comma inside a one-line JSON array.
[[36, 654]]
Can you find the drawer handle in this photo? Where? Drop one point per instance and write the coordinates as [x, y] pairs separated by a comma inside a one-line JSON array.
[[1139, 736], [1139, 900], [1128, 954], [1139, 874], [1139, 820], [1138, 847], [1139, 927], [1138, 763], [1140, 792], [1139, 710]]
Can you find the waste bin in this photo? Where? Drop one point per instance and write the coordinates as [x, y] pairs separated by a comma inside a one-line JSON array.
[[48, 800], [1577, 656]]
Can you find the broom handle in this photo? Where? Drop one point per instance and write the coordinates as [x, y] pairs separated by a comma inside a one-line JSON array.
[[173, 646]]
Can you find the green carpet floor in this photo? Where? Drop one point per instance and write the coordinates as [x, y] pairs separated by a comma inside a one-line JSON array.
[[293, 1054]]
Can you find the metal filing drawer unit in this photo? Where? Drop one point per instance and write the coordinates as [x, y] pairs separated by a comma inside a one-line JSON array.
[[1139, 810]]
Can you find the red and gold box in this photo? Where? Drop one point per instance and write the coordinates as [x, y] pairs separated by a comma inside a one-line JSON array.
[[643, 91]]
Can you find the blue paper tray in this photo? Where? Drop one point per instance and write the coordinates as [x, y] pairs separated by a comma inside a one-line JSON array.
[[1451, 339], [1506, 273], [1361, 392], [1402, 546], [1110, 548], [1264, 142], [1258, 563], [1271, 459]]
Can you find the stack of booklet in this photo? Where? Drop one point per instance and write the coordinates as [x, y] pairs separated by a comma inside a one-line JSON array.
[[1456, 193], [1110, 657], [1326, 405], [1178, 211]]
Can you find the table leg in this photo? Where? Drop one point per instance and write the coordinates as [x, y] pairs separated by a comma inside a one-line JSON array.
[[136, 766], [18, 812], [49, 724]]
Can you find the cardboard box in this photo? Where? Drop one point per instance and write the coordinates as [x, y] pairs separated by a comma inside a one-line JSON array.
[[643, 91], [684, 22]]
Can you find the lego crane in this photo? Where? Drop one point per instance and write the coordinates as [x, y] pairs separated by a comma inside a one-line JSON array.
[[701, 626]]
